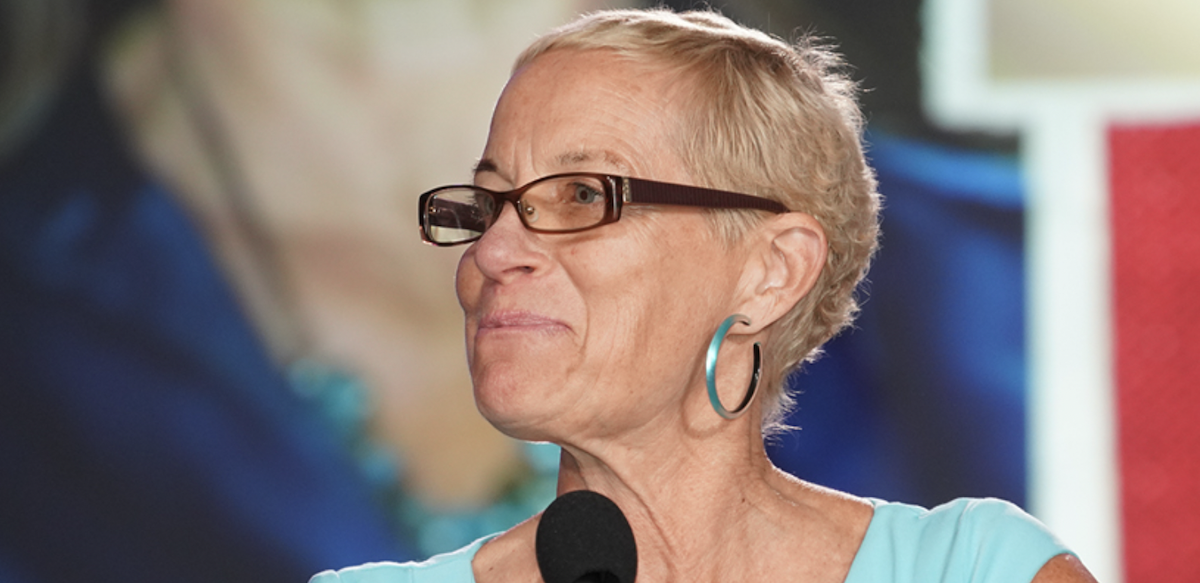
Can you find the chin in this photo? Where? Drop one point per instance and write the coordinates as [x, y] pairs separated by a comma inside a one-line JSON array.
[[515, 406]]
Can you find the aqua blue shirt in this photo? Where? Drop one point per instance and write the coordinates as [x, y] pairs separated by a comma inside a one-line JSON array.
[[966, 540]]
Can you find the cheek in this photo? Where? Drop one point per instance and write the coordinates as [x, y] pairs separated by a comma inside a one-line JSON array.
[[468, 282], [468, 286], [643, 304]]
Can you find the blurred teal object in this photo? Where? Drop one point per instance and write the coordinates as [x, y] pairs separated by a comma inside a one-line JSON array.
[[343, 400]]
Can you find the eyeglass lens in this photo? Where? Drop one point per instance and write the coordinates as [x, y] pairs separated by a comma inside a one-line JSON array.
[[555, 204]]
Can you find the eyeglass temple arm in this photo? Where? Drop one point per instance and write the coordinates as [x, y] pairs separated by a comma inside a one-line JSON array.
[[652, 192]]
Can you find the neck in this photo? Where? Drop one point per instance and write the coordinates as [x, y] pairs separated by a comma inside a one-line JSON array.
[[698, 507]]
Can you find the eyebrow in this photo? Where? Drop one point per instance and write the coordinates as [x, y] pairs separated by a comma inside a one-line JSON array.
[[567, 160], [484, 165], [579, 157]]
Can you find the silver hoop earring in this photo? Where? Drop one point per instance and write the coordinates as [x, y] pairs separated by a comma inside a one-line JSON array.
[[710, 369]]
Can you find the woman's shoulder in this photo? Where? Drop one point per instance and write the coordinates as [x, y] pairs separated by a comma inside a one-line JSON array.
[[961, 514], [981, 540], [510, 557], [497, 553], [454, 567]]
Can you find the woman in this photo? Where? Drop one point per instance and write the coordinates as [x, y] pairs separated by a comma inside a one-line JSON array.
[[611, 310]]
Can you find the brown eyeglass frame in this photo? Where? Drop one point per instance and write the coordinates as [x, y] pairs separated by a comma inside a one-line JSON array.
[[619, 190]]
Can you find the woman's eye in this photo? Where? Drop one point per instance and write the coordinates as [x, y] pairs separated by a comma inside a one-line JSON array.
[[586, 194]]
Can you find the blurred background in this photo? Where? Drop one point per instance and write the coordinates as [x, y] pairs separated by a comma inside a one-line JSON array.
[[225, 354]]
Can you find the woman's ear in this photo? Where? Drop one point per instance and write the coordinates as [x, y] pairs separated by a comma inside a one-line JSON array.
[[790, 251]]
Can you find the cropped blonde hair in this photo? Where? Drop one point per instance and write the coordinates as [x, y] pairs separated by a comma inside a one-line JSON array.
[[768, 118]]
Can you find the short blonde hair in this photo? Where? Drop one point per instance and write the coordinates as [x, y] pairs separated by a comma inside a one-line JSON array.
[[769, 118]]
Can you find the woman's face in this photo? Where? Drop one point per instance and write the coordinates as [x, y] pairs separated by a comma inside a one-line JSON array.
[[601, 332]]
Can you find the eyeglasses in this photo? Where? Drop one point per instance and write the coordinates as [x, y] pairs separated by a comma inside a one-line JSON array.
[[562, 203]]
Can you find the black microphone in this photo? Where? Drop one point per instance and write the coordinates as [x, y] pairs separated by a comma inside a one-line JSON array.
[[584, 538]]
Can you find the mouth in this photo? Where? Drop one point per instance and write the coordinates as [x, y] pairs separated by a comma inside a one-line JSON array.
[[518, 321]]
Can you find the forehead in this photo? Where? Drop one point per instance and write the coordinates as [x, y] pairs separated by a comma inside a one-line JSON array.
[[584, 110]]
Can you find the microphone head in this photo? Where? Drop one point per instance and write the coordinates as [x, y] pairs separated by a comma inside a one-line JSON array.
[[584, 536]]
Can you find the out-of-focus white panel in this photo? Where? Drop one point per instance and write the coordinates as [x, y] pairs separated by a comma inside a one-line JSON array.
[[1072, 446], [1148, 39]]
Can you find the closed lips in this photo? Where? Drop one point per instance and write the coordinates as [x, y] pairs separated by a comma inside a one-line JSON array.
[[498, 320]]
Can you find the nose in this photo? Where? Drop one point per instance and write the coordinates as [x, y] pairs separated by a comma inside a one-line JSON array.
[[507, 249]]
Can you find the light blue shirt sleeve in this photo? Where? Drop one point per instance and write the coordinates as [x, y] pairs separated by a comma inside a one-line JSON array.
[[968, 540], [452, 567]]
